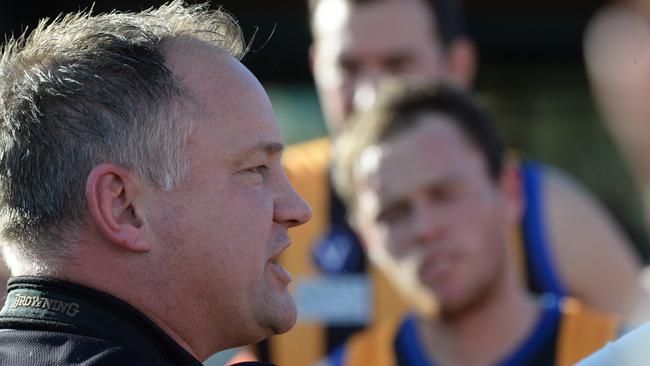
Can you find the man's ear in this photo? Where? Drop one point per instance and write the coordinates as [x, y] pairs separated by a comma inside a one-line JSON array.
[[462, 61], [111, 193]]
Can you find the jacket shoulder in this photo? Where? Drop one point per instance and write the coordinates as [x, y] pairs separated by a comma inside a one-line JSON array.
[[41, 348]]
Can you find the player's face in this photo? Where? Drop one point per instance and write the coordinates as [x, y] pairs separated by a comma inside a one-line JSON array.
[[431, 216], [355, 47]]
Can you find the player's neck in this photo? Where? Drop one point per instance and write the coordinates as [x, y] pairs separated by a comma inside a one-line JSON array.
[[471, 338]]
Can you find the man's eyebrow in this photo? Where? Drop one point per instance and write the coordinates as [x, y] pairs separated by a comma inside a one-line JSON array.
[[451, 180], [267, 148], [270, 147]]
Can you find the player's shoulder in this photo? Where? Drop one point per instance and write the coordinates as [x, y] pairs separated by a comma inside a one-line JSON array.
[[371, 346], [629, 350]]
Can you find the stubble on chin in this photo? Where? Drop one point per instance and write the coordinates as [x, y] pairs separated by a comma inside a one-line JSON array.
[[278, 316]]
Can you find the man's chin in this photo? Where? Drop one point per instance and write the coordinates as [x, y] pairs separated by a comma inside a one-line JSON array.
[[450, 312], [283, 317], [283, 327], [458, 307]]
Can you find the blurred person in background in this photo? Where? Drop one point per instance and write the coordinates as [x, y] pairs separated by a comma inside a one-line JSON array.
[[426, 183], [617, 55], [143, 204], [569, 243]]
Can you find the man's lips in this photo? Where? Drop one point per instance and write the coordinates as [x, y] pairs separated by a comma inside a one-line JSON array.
[[282, 274]]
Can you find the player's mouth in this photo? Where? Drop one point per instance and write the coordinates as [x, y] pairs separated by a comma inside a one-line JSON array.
[[437, 270]]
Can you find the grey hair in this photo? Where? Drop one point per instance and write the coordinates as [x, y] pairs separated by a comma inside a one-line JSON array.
[[86, 89]]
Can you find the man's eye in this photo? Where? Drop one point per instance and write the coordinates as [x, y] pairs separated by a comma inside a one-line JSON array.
[[393, 214], [397, 66], [349, 67], [446, 194], [260, 169]]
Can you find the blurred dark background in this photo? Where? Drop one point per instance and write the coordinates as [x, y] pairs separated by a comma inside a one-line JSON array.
[[532, 33], [531, 77]]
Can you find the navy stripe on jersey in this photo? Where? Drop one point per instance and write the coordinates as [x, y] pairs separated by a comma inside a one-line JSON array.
[[542, 275], [538, 349]]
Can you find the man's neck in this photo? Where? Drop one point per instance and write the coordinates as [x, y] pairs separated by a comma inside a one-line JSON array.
[[125, 288], [175, 336], [470, 340]]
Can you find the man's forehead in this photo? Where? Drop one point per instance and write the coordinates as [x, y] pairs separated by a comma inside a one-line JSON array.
[[342, 20], [425, 153], [229, 108], [428, 132], [379, 169], [330, 16]]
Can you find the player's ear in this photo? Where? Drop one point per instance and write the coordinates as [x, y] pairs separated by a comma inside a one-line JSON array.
[[111, 193], [462, 61]]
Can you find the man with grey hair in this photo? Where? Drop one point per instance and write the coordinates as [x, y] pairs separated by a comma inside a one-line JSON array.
[[142, 200]]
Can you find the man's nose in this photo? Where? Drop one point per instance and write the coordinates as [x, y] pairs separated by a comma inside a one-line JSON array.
[[290, 208], [367, 85], [365, 94]]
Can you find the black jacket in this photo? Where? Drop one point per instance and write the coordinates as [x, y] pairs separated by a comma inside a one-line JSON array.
[[51, 322]]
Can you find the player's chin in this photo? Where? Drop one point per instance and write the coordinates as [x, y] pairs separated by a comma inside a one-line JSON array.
[[453, 307]]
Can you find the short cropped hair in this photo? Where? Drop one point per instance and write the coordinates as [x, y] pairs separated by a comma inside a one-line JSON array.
[[397, 110], [447, 15], [86, 89]]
